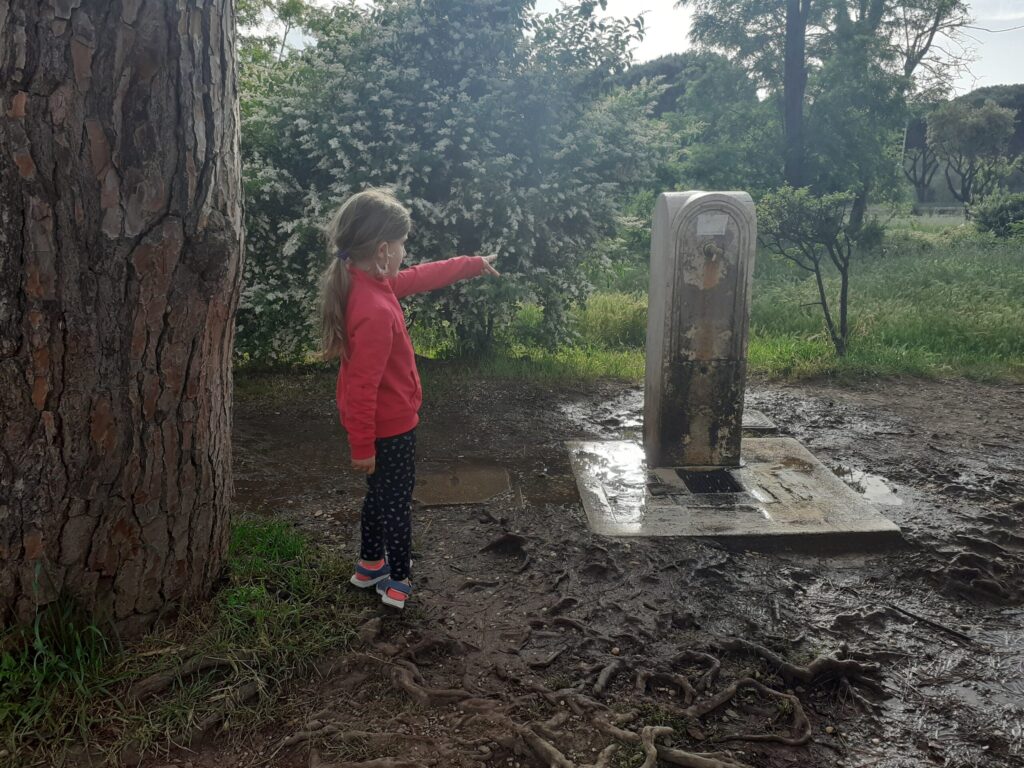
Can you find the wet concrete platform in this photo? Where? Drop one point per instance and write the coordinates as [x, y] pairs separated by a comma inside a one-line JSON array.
[[781, 497], [459, 483], [757, 423]]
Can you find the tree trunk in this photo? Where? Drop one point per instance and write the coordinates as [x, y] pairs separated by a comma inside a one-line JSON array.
[[793, 88], [120, 264]]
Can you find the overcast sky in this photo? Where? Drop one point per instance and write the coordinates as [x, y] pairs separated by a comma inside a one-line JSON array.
[[1000, 56]]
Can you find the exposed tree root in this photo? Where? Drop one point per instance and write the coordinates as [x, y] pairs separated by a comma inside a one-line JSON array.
[[507, 544], [161, 681], [800, 728], [647, 737], [707, 680], [379, 762], [665, 754], [448, 645], [644, 677], [821, 670], [547, 661], [698, 759], [563, 605], [607, 675], [545, 750], [407, 677], [234, 699]]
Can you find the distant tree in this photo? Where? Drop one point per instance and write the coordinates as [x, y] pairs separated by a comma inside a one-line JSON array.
[[920, 163], [769, 38], [974, 143], [872, 49], [1008, 97]]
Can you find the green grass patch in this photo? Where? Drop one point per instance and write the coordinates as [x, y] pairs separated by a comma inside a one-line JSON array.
[[937, 302], [941, 305], [283, 605]]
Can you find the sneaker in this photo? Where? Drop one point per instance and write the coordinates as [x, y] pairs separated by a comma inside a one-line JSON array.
[[368, 574], [394, 593]]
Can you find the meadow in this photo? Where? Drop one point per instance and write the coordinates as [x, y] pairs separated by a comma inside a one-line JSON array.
[[937, 300]]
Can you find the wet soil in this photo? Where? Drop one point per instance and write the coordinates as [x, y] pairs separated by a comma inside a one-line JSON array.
[[528, 638]]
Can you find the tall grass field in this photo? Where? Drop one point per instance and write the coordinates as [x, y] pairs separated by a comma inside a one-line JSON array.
[[934, 301]]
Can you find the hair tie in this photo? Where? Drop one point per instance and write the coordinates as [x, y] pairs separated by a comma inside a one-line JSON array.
[[342, 255]]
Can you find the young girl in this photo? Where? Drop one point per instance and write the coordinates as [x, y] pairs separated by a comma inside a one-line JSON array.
[[378, 389]]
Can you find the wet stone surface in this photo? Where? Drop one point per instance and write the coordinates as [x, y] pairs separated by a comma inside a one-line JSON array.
[[514, 595]]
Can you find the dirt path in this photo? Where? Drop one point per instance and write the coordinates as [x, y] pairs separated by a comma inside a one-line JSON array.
[[534, 643]]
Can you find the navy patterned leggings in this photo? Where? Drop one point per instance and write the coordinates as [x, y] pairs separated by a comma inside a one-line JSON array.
[[386, 520]]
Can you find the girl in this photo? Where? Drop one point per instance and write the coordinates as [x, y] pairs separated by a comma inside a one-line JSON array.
[[378, 389]]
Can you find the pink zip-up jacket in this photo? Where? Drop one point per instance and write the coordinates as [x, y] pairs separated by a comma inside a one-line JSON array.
[[378, 392]]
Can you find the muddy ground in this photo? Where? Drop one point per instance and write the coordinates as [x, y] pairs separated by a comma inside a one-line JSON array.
[[531, 642]]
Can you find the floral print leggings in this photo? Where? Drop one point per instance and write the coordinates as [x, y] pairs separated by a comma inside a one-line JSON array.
[[386, 519]]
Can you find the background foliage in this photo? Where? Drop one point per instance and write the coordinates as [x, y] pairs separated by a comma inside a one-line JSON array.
[[534, 136]]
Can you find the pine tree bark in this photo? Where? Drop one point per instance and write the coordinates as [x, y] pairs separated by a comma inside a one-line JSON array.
[[120, 263]]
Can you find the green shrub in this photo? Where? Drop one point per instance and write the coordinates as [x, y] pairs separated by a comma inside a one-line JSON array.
[[613, 321], [999, 214]]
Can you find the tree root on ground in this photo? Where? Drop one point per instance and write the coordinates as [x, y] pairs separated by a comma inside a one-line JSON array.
[[707, 680], [644, 678], [800, 727], [607, 675], [822, 670], [161, 681], [231, 701], [407, 676]]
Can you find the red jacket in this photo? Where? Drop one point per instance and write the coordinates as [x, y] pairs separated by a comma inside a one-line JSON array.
[[378, 391]]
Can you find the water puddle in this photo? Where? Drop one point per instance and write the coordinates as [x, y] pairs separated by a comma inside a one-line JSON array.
[[874, 488]]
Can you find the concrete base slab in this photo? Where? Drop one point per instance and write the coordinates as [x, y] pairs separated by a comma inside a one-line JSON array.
[[782, 497], [444, 485], [757, 423]]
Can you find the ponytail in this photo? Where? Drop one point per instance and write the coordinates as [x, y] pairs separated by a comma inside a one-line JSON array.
[[334, 284], [355, 231]]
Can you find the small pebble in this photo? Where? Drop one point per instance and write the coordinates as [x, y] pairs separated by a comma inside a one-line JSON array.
[[829, 729], [876, 741], [616, 651]]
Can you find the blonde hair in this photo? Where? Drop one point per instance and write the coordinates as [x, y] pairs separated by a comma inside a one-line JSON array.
[[355, 232]]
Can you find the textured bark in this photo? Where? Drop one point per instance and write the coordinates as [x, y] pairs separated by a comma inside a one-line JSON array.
[[120, 262]]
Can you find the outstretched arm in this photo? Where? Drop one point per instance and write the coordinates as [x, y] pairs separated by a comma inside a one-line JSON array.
[[438, 274]]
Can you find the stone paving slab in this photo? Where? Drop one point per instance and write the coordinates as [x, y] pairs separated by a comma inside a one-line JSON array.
[[788, 499], [459, 483]]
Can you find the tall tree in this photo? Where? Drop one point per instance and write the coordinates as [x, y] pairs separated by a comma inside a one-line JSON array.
[[120, 256], [974, 142], [920, 163], [786, 45], [770, 38]]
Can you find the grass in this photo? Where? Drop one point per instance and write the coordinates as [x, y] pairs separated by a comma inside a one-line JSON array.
[[64, 684], [940, 300], [933, 305], [937, 302]]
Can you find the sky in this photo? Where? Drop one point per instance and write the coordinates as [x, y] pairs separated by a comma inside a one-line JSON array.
[[1000, 56]]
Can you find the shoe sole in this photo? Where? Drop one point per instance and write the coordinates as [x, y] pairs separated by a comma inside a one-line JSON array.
[[399, 604], [367, 583]]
